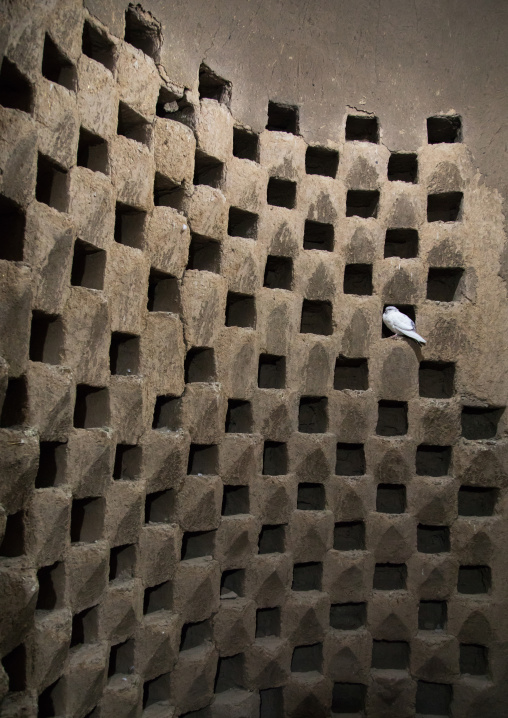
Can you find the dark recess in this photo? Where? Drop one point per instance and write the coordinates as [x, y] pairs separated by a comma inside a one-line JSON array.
[[433, 460], [443, 283], [14, 664], [477, 500], [432, 615], [275, 458], [392, 418], [316, 317], [349, 536], [240, 310], [474, 659], [122, 562], [318, 235], [358, 279], [433, 698], [13, 541], [121, 658], [163, 293], [311, 497], [15, 90], [167, 413], [133, 125], [350, 460], [143, 31], [130, 226], [88, 266], [12, 219], [208, 170], [56, 67], [239, 417], [51, 464], [51, 184], [245, 144], [267, 622], [401, 243], [436, 379], [196, 544], [124, 354], [127, 464], [307, 658], [271, 703], [364, 129], [390, 654], [229, 673], [391, 498], [160, 507], [235, 500], [480, 422], [272, 371], [156, 690], [200, 365], [87, 519], [348, 698], [444, 207], [242, 223], [348, 616], [278, 272], [195, 634], [474, 579], [351, 374], [204, 254], [282, 118], [92, 407], [403, 167], [213, 87], [92, 152], [307, 576], [362, 203], [232, 582], [15, 404], [272, 539], [321, 161], [390, 576], [203, 459], [312, 415], [46, 338], [281, 192], [97, 46], [51, 581], [432, 539], [444, 129]]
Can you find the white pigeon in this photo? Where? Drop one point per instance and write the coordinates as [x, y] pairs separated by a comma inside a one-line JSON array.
[[401, 324]]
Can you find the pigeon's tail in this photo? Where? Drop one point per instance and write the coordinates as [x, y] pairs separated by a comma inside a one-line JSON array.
[[417, 338]]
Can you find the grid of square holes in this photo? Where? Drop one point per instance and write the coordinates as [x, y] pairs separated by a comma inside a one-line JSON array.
[[199, 507]]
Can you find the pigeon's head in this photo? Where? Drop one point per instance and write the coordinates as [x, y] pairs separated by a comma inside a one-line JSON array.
[[391, 309]]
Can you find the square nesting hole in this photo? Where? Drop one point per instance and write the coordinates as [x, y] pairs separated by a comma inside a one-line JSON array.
[[267, 622], [15, 667], [436, 379], [403, 167], [195, 634], [156, 691], [56, 67], [349, 536], [46, 338], [160, 507], [196, 544], [281, 193], [351, 374], [167, 193], [362, 203], [52, 464], [401, 243], [240, 310], [245, 144], [15, 89], [232, 583], [87, 519], [321, 161], [239, 417], [15, 405], [121, 658], [443, 283], [167, 413], [272, 539], [275, 458], [52, 699], [85, 627], [97, 46], [122, 562], [51, 184], [432, 615], [88, 266], [13, 541], [143, 31], [163, 293], [390, 576], [129, 226], [172, 107], [212, 86], [474, 579], [127, 466], [307, 576], [407, 309], [348, 698], [358, 279], [318, 235], [92, 152], [124, 354], [361, 128], [282, 118], [311, 497], [92, 407], [278, 272], [392, 418], [480, 422], [242, 223], [133, 125], [13, 221], [348, 616], [350, 460], [444, 128], [392, 655], [313, 415], [158, 598], [477, 500], [307, 658], [474, 659], [433, 460], [200, 365], [204, 254], [271, 371], [203, 460], [433, 699], [316, 317], [432, 539], [444, 207], [51, 580], [235, 500], [229, 673], [208, 170], [391, 498]]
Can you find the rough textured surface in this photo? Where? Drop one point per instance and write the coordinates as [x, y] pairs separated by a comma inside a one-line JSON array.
[[225, 493]]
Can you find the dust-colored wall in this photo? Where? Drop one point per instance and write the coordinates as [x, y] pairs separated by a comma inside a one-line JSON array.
[[225, 491]]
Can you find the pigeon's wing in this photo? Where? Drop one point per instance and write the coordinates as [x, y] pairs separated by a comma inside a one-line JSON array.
[[403, 322]]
